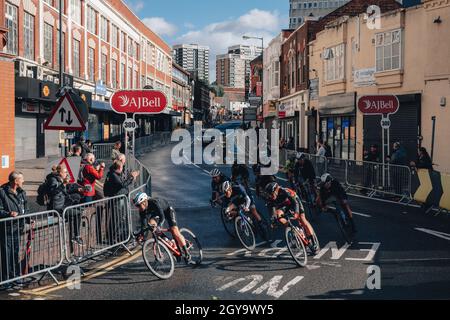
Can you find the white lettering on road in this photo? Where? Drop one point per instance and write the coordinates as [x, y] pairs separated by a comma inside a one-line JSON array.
[[271, 286], [371, 252], [248, 253], [336, 253], [438, 234]]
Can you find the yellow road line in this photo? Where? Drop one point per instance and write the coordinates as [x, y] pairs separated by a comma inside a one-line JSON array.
[[101, 270]]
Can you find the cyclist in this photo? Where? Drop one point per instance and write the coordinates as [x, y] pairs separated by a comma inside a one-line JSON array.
[[218, 178], [240, 171], [281, 201], [304, 171], [330, 187], [262, 181], [236, 196], [153, 212]]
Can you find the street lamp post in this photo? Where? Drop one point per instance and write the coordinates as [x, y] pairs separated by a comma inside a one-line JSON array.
[[262, 57]]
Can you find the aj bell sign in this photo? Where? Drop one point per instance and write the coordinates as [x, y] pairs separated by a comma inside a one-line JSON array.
[[139, 101], [378, 104]]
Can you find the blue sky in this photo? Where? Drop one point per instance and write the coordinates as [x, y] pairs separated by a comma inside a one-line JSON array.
[[215, 23]]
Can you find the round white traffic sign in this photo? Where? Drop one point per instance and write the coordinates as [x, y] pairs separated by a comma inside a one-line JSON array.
[[129, 125], [385, 123]]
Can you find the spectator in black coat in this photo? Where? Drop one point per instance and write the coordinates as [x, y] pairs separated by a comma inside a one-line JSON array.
[[423, 160], [62, 194], [116, 182], [13, 204]]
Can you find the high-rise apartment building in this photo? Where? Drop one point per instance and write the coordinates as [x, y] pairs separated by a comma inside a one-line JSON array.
[[193, 58], [301, 9]]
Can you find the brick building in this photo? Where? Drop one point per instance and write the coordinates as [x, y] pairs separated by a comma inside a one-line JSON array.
[[106, 47]]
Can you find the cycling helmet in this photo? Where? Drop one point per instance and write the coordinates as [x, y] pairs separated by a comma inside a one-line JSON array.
[[271, 187], [226, 186], [326, 178], [300, 156], [215, 173], [139, 198]]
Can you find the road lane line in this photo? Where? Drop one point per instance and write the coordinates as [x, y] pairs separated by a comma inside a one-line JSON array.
[[95, 273], [357, 213], [438, 234], [414, 260]]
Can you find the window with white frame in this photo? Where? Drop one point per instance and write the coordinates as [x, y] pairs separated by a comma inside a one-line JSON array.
[[129, 78], [11, 25], [104, 68], [28, 35], [335, 62], [75, 8], [388, 50], [76, 58], [104, 29], [91, 64], [114, 73], [114, 36], [276, 73], [122, 76], [91, 18], [48, 43], [130, 47]]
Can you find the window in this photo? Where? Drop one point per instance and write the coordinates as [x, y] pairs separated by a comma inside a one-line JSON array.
[[75, 7], [388, 50], [104, 29], [48, 43], [114, 74], [123, 41], [91, 18], [122, 76], [28, 35], [334, 63], [276, 73], [11, 24], [63, 49], [136, 79], [114, 36], [129, 78], [130, 47], [76, 58], [91, 64], [104, 67]]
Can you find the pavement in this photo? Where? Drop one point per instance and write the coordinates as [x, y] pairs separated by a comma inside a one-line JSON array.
[[399, 253]]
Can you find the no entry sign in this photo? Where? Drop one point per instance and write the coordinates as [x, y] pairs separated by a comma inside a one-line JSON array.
[[139, 101], [378, 104]]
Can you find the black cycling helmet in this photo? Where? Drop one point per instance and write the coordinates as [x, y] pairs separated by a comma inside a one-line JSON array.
[[326, 178], [271, 187]]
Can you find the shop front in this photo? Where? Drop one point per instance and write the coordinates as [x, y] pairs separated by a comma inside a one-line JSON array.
[[337, 124], [291, 115]]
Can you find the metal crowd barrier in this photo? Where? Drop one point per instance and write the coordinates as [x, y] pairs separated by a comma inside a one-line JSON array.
[[30, 245], [103, 151], [93, 228]]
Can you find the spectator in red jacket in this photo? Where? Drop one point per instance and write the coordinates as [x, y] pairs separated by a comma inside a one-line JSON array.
[[91, 173]]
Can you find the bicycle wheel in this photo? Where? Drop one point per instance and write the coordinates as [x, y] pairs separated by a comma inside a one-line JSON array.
[[296, 247], [228, 224], [158, 258], [344, 226], [193, 245], [245, 233]]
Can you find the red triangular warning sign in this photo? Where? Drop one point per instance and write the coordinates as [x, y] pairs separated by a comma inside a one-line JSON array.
[[65, 163], [65, 116]]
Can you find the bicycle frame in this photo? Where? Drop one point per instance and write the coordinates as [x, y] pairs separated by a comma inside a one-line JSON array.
[[159, 235]]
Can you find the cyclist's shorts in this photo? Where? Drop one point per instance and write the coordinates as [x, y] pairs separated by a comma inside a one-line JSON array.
[[171, 217]]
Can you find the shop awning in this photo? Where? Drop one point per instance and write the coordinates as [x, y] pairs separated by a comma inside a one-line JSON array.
[[339, 104], [101, 106]]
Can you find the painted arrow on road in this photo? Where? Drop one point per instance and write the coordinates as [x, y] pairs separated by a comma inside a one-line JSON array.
[[438, 234]]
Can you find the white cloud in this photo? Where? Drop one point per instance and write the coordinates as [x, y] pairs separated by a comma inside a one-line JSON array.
[[219, 36], [136, 6], [160, 26]]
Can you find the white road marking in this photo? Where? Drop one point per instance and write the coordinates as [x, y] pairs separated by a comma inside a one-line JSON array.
[[336, 253], [438, 234], [414, 260], [245, 250], [371, 252], [356, 213]]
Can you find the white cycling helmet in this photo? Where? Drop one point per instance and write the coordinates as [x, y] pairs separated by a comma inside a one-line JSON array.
[[215, 173], [226, 186], [139, 198], [326, 178]]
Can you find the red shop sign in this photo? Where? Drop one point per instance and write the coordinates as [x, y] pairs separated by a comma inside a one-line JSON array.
[[378, 104], [139, 101]]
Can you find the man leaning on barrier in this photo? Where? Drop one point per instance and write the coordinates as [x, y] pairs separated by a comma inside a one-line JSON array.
[[13, 204]]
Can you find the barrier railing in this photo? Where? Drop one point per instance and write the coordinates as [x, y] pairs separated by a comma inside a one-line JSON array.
[[103, 151], [30, 245], [93, 228]]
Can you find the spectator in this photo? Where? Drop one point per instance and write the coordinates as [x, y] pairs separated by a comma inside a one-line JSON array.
[[117, 183], [328, 151], [13, 203], [76, 151], [423, 160], [291, 144], [370, 179], [90, 175], [373, 155], [397, 158], [84, 147], [116, 150], [282, 143], [321, 152]]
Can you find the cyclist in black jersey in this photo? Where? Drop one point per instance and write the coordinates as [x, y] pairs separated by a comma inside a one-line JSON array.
[[218, 178], [262, 181], [331, 187], [240, 171]]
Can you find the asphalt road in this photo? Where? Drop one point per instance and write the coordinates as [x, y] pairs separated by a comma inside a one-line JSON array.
[[410, 252]]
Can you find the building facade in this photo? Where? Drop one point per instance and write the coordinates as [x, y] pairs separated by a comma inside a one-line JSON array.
[[256, 86], [182, 95], [106, 48], [299, 10], [193, 58]]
